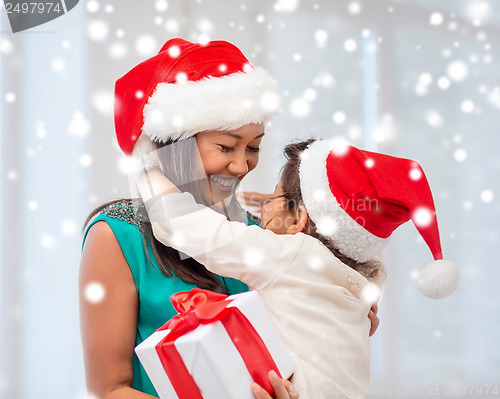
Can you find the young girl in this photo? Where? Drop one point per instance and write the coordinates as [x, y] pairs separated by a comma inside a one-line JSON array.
[[313, 263]]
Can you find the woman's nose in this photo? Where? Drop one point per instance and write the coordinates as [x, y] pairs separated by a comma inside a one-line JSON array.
[[238, 165]]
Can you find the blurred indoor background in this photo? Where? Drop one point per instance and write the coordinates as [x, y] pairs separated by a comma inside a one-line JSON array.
[[417, 79]]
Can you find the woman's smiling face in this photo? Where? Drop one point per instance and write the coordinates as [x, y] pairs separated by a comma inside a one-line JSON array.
[[228, 156]]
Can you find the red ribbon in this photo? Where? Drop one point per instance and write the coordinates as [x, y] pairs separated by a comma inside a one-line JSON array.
[[200, 306]]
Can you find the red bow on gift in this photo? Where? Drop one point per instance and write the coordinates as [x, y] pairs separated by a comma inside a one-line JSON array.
[[200, 306]]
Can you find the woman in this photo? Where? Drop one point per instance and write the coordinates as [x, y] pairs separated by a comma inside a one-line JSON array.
[[208, 93]]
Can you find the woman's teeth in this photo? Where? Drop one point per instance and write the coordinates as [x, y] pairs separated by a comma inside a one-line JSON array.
[[222, 181]]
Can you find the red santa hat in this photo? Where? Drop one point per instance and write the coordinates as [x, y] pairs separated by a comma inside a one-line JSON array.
[[358, 198], [188, 88]]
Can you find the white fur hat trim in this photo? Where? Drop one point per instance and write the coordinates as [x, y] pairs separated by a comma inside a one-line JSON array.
[[180, 110], [348, 236]]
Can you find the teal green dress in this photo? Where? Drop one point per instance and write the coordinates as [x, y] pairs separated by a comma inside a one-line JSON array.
[[154, 288]]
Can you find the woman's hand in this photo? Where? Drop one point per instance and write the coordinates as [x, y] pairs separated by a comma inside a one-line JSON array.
[[281, 388], [372, 315], [254, 199]]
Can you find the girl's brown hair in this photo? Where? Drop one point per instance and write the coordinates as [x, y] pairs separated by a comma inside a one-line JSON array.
[[290, 184]]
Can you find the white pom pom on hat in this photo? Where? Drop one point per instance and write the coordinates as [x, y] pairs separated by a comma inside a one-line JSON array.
[[369, 195], [438, 279]]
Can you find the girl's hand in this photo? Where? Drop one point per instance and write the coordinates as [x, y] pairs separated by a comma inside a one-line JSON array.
[[281, 388], [254, 199], [372, 315]]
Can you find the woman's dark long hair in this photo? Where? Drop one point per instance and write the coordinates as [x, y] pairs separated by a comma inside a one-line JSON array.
[[290, 184], [180, 162]]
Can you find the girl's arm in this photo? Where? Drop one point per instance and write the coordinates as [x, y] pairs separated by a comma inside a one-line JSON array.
[[108, 326], [247, 253]]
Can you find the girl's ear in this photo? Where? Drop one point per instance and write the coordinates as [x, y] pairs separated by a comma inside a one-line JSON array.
[[300, 222]]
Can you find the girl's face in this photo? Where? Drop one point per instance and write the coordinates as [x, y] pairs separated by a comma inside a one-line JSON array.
[[275, 216], [228, 156]]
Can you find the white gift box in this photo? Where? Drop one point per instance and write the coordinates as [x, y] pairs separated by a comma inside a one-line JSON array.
[[211, 357]]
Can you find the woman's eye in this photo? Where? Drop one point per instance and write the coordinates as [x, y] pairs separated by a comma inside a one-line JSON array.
[[253, 149], [226, 149]]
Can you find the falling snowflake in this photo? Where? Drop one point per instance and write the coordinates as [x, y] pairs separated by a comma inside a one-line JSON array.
[[177, 239], [477, 10], [204, 38], [145, 45], [161, 5], [47, 241], [286, 5], [327, 226], [58, 64], [85, 160], [97, 30], [325, 80], [494, 97], [299, 107], [253, 257], [339, 117], [487, 196], [434, 119], [40, 131], [10, 97], [386, 130], [270, 101], [415, 174], [321, 36], [174, 51], [79, 125], [68, 227], [424, 80], [436, 19], [460, 155], [422, 217], [12, 175], [467, 106], [354, 8], [370, 293], [92, 6], [172, 26], [443, 83], [350, 45], [6, 46], [127, 165], [103, 101], [316, 263], [452, 26], [205, 25], [457, 71], [32, 205], [118, 50], [94, 292], [310, 94]]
